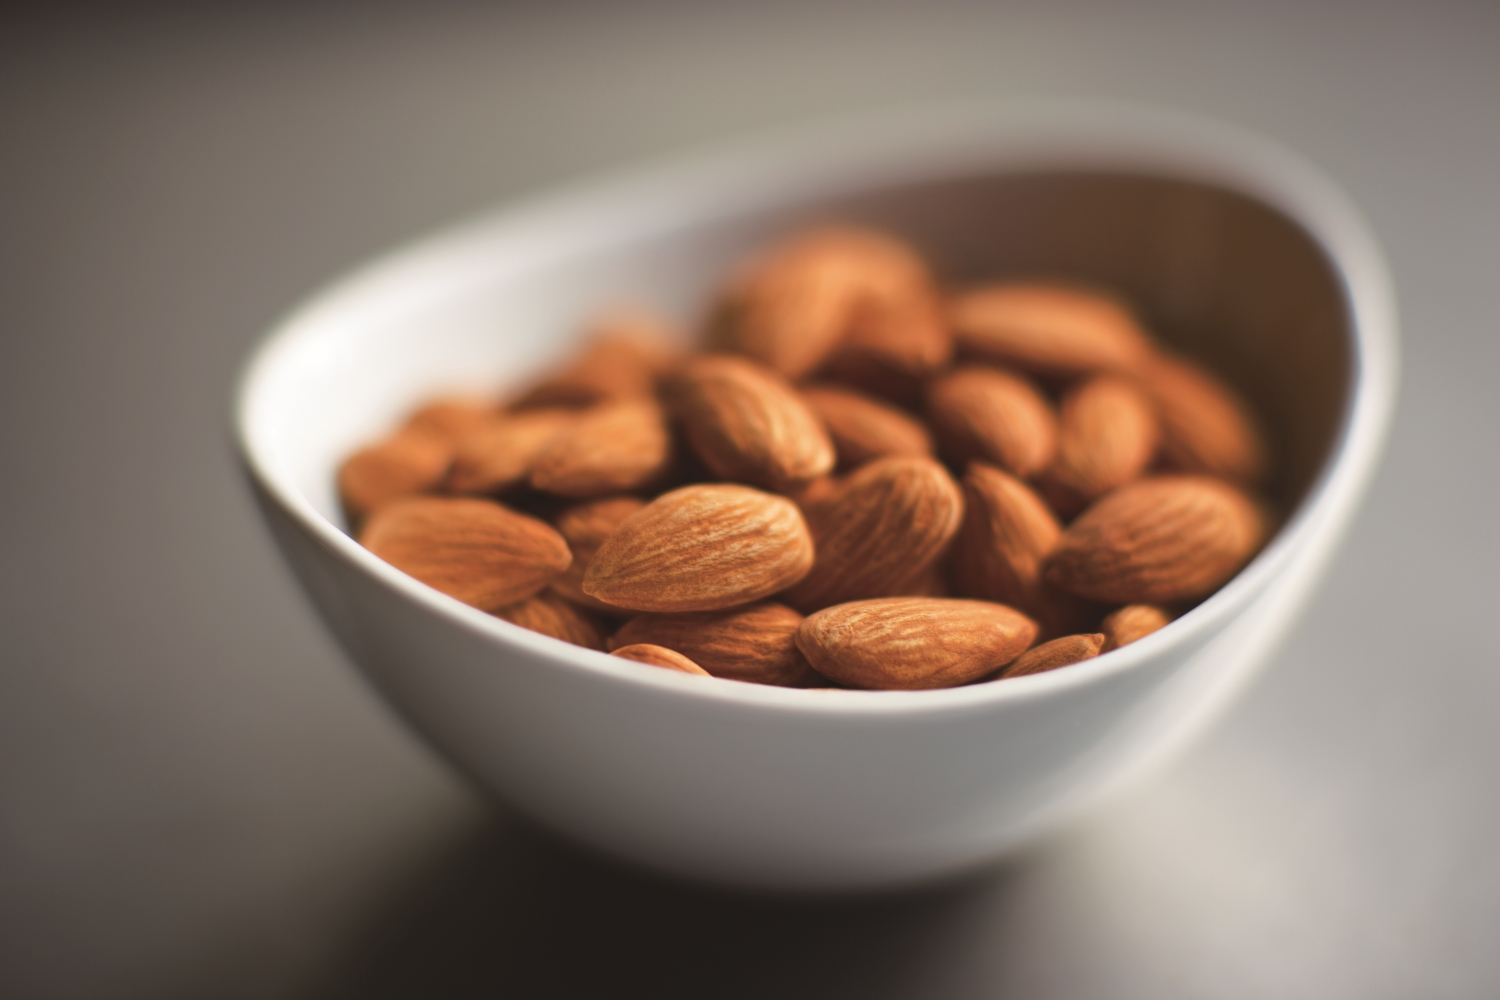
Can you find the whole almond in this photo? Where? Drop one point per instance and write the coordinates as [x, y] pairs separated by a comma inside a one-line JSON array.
[[475, 550], [878, 531], [549, 614], [625, 354], [1205, 426], [585, 526], [747, 423], [1061, 652], [992, 415], [450, 418], [615, 447], [1049, 330], [701, 548], [659, 656], [756, 643], [863, 428], [409, 462], [498, 453], [1107, 435], [901, 325], [912, 643], [1155, 540], [1132, 622], [1006, 537], [867, 374]]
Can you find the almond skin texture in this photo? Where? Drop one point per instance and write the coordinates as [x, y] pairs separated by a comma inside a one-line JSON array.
[[1061, 652], [549, 614], [1007, 534], [1205, 426], [1157, 540], [474, 550], [748, 424], [702, 548], [1107, 435], [992, 415], [1132, 622], [913, 643], [622, 360], [1049, 330], [585, 526], [756, 644], [612, 448], [879, 531], [863, 429], [659, 656], [405, 464], [497, 454]]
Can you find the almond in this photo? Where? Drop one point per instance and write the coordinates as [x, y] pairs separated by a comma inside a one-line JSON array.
[[756, 644], [1159, 539], [1205, 426], [992, 415], [873, 377], [1006, 536], [863, 429], [585, 526], [409, 462], [550, 615], [659, 656], [622, 360], [911, 643], [701, 548], [1061, 652], [1132, 622], [497, 454], [450, 418], [900, 324], [1106, 437], [747, 423], [614, 447], [879, 531], [1049, 330], [474, 550]]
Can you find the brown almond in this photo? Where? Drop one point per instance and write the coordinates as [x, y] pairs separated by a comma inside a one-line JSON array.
[[701, 548], [615, 447], [1061, 652], [756, 643], [1155, 540], [625, 354], [910, 643], [1006, 537], [475, 550], [873, 377], [879, 531], [1205, 426], [863, 429], [1132, 622], [659, 656], [407, 463], [1106, 437], [1049, 330], [549, 614], [993, 415], [900, 325], [747, 423], [585, 526], [498, 453], [450, 418]]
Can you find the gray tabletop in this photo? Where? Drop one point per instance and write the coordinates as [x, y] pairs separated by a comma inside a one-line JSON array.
[[199, 798]]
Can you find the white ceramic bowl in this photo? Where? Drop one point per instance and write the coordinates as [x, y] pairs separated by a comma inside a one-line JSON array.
[[1236, 250]]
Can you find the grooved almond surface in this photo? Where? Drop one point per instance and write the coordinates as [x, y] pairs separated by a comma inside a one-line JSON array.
[[405, 464], [1157, 540], [992, 415], [1050, 330], [497, 454], [1061, 652], [1107, 434], [585, 526], [549, 614], [1132, 622], [660, 656], [756, 643], [1006, 536], [701, 548], [863, 429], [475, 550], [878, 531], [911, 643], [1205, 425], [611, 448], [747, 423]]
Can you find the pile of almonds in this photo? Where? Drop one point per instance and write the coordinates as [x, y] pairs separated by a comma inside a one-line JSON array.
[[866, 482]]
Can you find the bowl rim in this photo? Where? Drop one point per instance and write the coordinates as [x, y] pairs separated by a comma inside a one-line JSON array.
[[841, 156]]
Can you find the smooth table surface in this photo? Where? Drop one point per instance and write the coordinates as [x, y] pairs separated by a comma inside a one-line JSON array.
[[198, 797]]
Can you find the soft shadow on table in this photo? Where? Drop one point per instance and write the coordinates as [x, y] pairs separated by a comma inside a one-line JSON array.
[[515, 912]]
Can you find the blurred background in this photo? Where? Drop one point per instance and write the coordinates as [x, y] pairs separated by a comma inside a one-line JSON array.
[[198, 797]]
